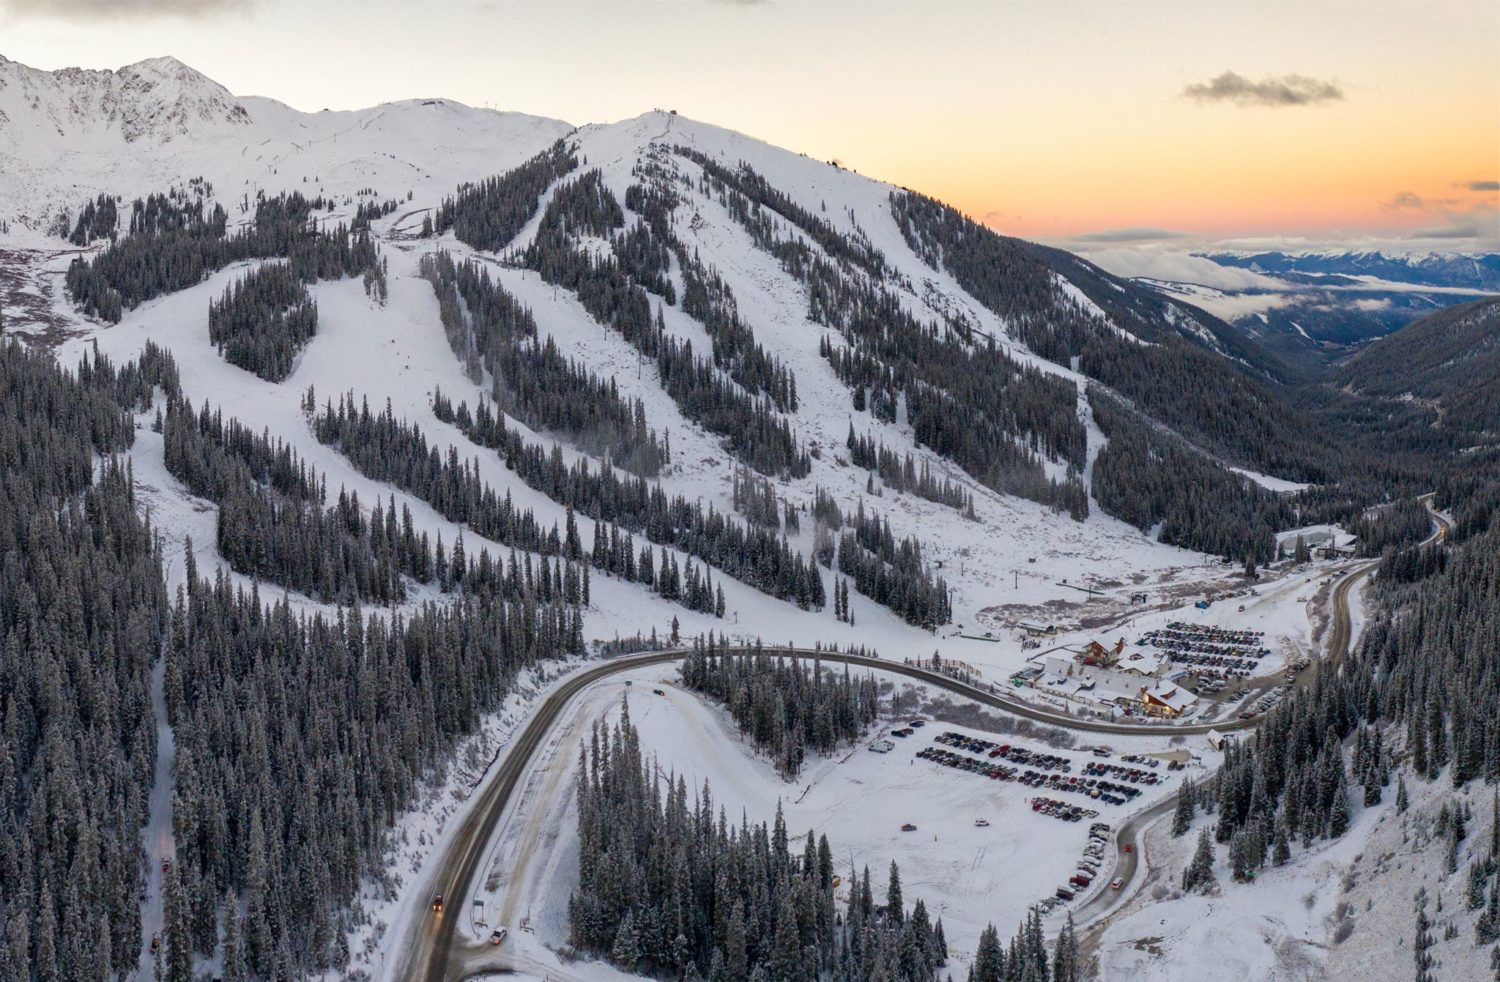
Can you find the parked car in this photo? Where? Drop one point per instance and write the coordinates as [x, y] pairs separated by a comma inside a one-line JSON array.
[[981, 823], [908, 827], [658, 692]]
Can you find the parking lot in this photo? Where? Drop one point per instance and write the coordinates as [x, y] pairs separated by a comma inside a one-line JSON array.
[[1212, 652], [1056, 774]]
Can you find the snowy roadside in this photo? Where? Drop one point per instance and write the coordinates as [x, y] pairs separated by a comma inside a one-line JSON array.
[[385, 905]]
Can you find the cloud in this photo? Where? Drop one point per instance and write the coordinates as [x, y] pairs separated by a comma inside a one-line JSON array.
[[1483, 185], [1233, 307], [1447, 232], [1135, 234], [95, 11], [1180, 267], [1453, 218], [1480, 222], [1273, 90], [1405, 201]]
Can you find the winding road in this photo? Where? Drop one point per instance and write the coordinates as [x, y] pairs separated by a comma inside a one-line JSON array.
[[433, 951]]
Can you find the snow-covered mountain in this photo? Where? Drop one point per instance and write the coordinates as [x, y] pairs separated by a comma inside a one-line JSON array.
[[999, 305], [1006, 434], [150, 102], [68, 135], [1466, 271]]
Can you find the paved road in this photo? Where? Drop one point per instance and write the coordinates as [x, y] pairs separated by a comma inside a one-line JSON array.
[[431, 950], [1130, 832]]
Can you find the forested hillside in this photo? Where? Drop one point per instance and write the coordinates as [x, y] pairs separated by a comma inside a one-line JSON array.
[[82, 619], [1155, 353], [1446, 365]]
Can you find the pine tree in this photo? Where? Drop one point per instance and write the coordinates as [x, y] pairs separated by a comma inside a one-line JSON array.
[[1283, 850], [893, 905], [1182, 815], [1199, 873], [1487, 927], [1422, 941], [1065, 967], [233, 969], [1478, 877], [176, 936], [989, 958], [626, 950]]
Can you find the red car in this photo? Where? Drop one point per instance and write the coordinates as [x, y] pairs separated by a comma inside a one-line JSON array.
[[1127, 847]]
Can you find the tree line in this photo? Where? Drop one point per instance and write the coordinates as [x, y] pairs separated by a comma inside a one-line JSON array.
[[892, 573], [490, 331], [902, 474], [272, 524], [1148, 476], [98, 219], [1200, 394], [386, 449], [754, 555], [174, 244], [706, 296], [263, 321], [784, 706], [613, 294], [490, 213]]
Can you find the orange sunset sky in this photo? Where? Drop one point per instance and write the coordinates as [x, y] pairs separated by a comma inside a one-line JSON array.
[[1054, 120]]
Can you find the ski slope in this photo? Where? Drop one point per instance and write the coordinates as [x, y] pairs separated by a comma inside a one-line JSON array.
[[67, 136]]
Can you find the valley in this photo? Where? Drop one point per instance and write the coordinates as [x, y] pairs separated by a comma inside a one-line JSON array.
[[444, 543]]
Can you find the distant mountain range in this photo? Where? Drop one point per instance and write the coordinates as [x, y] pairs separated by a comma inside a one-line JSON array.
[[1480, 273], [1312, 307]]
